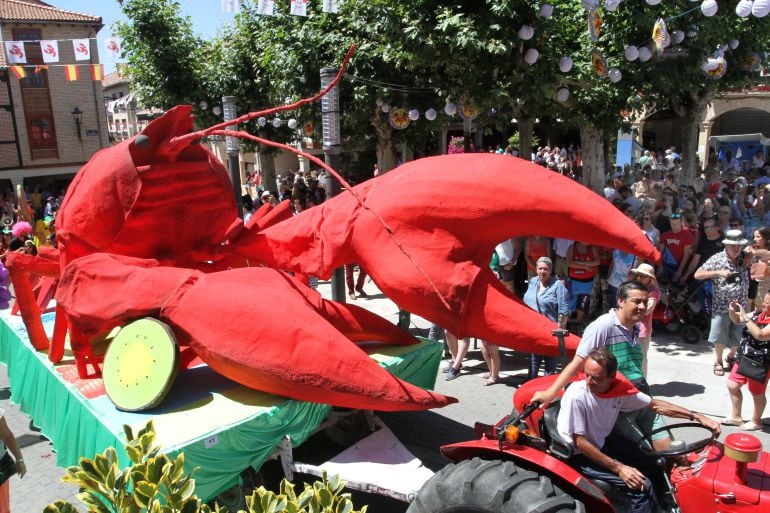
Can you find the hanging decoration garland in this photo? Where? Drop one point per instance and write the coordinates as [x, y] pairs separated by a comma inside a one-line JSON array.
[[594, 24], [660, 35], [598, 62], [399, 118]]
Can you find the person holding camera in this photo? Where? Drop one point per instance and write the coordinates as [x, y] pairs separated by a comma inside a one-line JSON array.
[[729, 275]]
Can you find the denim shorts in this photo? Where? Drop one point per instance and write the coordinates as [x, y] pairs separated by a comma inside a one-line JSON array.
[[724, 331]]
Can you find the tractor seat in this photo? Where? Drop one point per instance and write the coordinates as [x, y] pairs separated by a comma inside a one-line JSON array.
[[559, 447]]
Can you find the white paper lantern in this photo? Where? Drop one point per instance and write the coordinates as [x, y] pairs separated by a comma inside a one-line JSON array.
[[615, 75], [531, 55], [562, 94], [677, 36], [277, 122], [414, 114], [450, 109], [719, 53], [430, 114], [611, 5], [378, 102], [590, 4], [734, 43], [292, 123], [743, 8], [526, 32], [631, 53], [203, 105], [261, 121], [709, 8], [644, 54], [653, 2], [565, 64], [546, 11], [760, 8], [385, 107]]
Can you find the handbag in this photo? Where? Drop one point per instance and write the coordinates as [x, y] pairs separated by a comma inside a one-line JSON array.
[[7, 467], [752, 369]]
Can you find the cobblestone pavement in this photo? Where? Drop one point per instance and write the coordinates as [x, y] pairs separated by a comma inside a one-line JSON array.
[[679, 372]]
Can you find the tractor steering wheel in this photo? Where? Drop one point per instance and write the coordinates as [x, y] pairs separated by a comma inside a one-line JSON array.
[[677, 447]]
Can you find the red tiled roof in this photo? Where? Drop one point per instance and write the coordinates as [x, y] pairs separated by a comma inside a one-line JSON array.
[[114, 78], [38, 12]]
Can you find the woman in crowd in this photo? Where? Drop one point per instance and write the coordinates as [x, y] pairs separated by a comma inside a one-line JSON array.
[[548, 296], [754, 343], [760, 253], [535, 247], [645, 274], [582, 265], [8, 442], [708, 210], [644, 220]]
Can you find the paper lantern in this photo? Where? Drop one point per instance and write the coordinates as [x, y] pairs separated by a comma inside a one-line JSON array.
[[644, 54], [590, 4], [217, 110], [743, 8], [292, 123], [565, 64], [615, 75], [277, 122], [203, 105], [450, 109], [760, 8], [546, 11], [709, 8], [414, 114], [385, 107], [631, 53], [562, 94], [734, 43], [378, 102], [677, 36], [526, 32], [530, 57], [261, 121], [653, 2], [719, 53], [611, 5], [430, 114]]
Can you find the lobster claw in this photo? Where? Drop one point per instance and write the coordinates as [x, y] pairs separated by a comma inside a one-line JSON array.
[[425, 232]]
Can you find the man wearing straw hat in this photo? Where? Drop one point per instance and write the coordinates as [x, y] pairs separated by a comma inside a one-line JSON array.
[[730, 277]]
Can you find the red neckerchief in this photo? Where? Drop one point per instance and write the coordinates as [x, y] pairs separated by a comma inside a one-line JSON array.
[[619, 387], [762, 319]]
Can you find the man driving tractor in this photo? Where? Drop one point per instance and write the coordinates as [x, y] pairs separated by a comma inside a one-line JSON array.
[[589, 409]]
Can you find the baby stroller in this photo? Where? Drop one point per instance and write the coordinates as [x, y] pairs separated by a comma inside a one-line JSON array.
[[681, 310]]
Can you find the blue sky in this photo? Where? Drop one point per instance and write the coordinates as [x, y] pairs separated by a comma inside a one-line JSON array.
[[206, 15]]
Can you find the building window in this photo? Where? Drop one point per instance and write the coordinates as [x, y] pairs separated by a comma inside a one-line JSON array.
[[41, 133]]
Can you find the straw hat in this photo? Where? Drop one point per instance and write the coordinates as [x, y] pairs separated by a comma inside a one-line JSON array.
[[645, 269], [734, 238]]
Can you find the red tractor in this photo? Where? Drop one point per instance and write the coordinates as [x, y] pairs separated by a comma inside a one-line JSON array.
[[518, 465]]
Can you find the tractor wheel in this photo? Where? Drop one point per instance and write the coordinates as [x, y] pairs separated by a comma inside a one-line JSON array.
[[691, 334], [491, 486]]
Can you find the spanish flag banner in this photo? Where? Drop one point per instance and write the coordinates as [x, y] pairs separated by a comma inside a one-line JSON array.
[[97, 71], [19, 71], [40, 67], [71, 72]]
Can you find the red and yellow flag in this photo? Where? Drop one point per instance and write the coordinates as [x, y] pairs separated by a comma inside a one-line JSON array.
[[71, 72], [19, 71], [97, 71], [40, 67]]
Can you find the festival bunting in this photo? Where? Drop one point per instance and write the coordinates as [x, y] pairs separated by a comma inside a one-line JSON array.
[[97, 71], [50, 50], [15, 52], [113, 45], [71, 72], [231, 5], [40, 67], [331, 6], [298, 7], [19, 71], [266, 7], [82, 48]]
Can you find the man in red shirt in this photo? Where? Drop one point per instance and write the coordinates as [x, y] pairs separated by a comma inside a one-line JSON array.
[[676, 248]]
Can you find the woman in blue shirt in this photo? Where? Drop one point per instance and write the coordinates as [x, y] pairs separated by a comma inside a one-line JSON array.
[[547, 295]]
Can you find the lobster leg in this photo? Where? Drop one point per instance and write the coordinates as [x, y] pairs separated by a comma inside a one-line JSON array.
[[274, 338]]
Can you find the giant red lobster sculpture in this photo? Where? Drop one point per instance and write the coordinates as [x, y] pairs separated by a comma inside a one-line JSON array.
[[149, 228]]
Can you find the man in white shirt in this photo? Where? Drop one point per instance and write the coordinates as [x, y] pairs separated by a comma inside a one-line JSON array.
[[587, 415]]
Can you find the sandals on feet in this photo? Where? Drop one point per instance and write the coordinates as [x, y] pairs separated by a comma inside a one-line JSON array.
[[750, 426], [488, 382], [719, 370], [732, 421], [729, 361]]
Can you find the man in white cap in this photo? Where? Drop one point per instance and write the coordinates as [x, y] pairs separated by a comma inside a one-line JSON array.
[[730, 276]]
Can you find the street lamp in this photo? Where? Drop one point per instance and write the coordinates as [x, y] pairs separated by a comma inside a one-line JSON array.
[[77, 115], [233, 151]]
